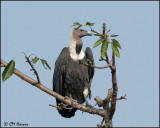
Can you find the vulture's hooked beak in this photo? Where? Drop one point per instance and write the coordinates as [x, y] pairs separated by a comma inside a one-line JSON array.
[[89, 33]]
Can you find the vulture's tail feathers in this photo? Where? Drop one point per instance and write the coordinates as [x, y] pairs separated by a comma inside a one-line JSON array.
[[66, 112]]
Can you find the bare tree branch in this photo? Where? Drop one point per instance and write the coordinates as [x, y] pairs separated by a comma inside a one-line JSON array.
[[67, 101], [105, 104], [107, 59], [114, 87]]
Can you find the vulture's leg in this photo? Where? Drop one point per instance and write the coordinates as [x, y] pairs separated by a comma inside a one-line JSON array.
[[72, 101], [85, 93], [70, 95], [70, 98]]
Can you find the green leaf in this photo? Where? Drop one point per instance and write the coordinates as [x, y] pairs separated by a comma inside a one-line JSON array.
[[104, 48], [44, 62], [76, 23], [35, 60], [115, 49], [89, 24], [78, 27], [116, 43], [8, 71], [113, 35], [98, 43]]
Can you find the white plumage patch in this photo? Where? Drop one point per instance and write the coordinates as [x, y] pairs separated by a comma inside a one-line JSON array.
[[85, 92], [73, 54]]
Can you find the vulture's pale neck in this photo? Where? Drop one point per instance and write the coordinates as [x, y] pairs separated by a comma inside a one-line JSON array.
[[75, 47]]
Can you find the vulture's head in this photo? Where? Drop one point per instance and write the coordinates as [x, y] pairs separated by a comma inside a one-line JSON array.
[[79, 33]]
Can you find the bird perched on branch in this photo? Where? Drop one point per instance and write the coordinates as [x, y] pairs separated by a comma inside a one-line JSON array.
[[72, 78]]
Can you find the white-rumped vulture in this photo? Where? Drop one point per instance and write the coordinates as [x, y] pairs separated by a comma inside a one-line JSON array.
[[72, 78]]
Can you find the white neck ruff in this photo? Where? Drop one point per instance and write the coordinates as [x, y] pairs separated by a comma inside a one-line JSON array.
[[73, 54]]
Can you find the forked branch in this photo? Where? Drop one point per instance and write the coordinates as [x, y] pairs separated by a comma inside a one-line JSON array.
[[67, 101]]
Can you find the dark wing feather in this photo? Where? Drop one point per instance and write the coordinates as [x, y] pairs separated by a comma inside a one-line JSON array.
[[61, 61], [58, 79], [89, 56]]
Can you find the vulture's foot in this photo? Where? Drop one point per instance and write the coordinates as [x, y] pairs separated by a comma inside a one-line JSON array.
[[66, 97], [72, 100]]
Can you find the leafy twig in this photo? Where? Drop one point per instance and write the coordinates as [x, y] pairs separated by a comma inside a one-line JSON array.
[[93, 66], [65, 107], [31, 55], [36, 73], [53, 106]]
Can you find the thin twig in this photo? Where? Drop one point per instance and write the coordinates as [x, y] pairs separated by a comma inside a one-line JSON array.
[[93, 66], [65, 107], [94, 31], [104, 29], [98, 67], [31, 55], [18, 54], [53, 106], [36, 73], [122, 97], [103, 59]]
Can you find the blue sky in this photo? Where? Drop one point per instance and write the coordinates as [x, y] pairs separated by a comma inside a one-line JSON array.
[[43, 28]]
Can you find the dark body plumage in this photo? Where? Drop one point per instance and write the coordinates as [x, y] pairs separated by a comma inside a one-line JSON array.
[[70, 77]]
